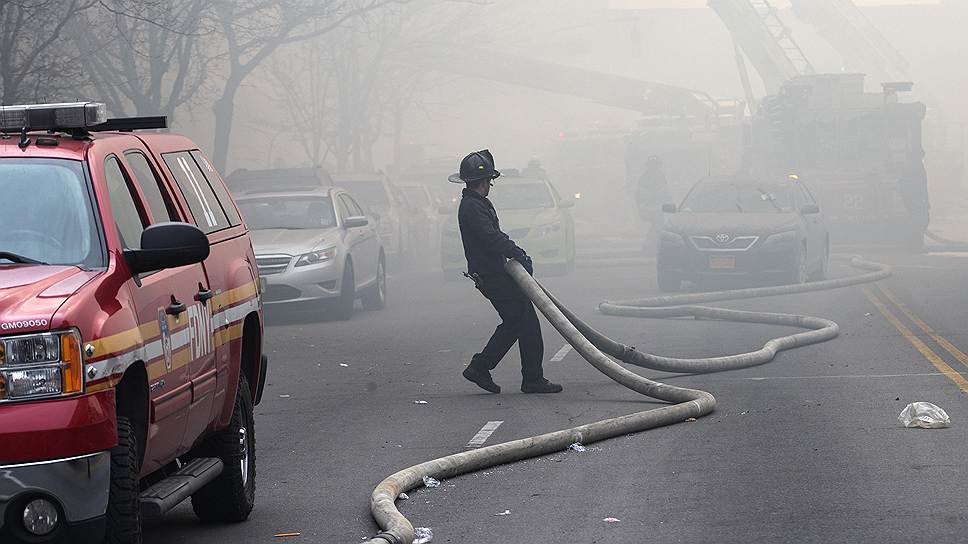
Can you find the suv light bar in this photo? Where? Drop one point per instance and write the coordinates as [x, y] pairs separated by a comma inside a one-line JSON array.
[[77, 115]]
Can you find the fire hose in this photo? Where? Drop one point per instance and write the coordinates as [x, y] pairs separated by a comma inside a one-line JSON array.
[[596, 348]]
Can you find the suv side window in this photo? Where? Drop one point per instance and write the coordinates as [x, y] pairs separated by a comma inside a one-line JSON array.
[[344, 209], [355, 208], [147, 180], [201, 199], [127, 218], [218, 187]]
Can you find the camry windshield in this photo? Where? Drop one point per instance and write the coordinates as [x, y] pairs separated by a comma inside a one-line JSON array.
[[521, 196], [738, 198], [371, 193], [293, 213], [48, 218]]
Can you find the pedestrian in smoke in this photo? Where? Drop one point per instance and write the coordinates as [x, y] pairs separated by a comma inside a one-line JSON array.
[[487, 250]]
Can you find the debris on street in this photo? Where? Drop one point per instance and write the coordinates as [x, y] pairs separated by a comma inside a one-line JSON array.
[[578, 447], [422, 535], [924, 415], [431, 482]]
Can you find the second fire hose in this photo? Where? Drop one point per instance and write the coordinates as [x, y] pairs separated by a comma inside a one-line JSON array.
[[595, 348]]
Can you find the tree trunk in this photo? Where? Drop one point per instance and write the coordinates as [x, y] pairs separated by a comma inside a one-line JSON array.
[[224, 109]]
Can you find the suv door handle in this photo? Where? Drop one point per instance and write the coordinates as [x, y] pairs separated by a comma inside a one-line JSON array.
[[204, 295], [175, 307]]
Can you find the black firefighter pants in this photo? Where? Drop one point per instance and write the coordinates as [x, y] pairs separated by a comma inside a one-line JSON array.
[[519, 323]]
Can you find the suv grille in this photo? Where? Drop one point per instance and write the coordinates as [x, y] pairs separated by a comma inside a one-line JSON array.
[[711, 243], [272, 264]]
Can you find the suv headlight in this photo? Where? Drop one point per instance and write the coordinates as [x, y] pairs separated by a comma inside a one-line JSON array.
[[784, 238], [41, 365], [316, 257], [546, 230]]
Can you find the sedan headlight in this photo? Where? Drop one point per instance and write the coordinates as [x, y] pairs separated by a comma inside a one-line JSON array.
[[41, 365], [542, 231], [785, 238], [316, 257]]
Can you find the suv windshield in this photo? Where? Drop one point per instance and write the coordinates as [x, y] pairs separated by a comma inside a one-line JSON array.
[[521, 196], [48, 217], [738, 198], [293, 213], [371, 193]]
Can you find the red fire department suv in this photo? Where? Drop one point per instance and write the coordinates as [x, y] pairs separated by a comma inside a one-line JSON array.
[[130, 329]]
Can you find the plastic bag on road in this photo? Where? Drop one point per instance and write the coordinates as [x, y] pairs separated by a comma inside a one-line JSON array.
[[924, 415], [431, 482], [422, 535]]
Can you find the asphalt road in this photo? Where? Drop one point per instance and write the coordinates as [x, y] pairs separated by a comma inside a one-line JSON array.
[[804, 449]]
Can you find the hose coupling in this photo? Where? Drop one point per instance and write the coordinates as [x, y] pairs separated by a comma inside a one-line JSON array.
[[389, 537]]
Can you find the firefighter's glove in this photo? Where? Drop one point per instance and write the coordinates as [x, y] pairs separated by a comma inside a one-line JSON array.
[[525, 261]]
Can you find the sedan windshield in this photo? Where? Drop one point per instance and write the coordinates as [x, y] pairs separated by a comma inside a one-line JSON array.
[[521, 196], [293, 213], [738, 198], [48, 217]]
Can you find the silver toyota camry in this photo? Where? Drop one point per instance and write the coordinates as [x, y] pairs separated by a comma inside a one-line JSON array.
[[316, 246]]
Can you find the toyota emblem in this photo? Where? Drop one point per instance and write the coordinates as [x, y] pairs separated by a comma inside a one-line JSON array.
[[722, 238]]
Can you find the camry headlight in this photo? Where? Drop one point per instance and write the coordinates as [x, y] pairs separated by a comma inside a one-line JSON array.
[[41, 365], [316, 257], [546, 230], [788, 237], [673, 238]]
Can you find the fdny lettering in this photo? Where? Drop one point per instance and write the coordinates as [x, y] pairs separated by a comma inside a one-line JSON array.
[[200, 330]]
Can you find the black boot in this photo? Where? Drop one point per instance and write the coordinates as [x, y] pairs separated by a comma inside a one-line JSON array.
[[482, 378], [544, 386]]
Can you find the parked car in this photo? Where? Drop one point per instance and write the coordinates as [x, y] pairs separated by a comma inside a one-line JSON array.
[[131, 329], [277, 179], [387, 206], [316, 246], [737, 227], [532, 213], [422, 210]]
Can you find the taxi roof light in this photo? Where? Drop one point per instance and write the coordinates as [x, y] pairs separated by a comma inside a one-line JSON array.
[[75, 115]]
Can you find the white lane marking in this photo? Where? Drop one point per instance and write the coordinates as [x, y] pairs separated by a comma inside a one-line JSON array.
[[482, 435], [868, 376], [562, 353]]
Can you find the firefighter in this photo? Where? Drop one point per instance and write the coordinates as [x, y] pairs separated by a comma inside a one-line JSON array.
[[487, 250]]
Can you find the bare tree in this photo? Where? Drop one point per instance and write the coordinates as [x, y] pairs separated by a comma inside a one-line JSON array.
[[33, 63], [146, 57], [346, 90], [254, 29]]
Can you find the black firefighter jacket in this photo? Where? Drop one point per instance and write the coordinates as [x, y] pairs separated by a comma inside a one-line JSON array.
[[485, 246]]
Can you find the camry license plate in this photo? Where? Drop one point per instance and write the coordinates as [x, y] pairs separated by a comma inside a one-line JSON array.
[[722, 262]]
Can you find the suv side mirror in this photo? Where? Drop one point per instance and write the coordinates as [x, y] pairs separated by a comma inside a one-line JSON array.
[[168, 245], [809, 209], [566, 203], [355, 222], [669, 208]]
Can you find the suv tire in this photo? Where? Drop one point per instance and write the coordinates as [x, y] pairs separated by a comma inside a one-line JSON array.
[[347, 294], [375, 297], [231, 496], [124, 497]]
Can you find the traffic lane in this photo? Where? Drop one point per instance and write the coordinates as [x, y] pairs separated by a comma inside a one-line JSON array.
[[328, 433], [376, 443], [795, 449]]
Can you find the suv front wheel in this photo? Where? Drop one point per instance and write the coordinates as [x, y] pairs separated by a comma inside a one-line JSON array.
[[231, 496], [124, 497]]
